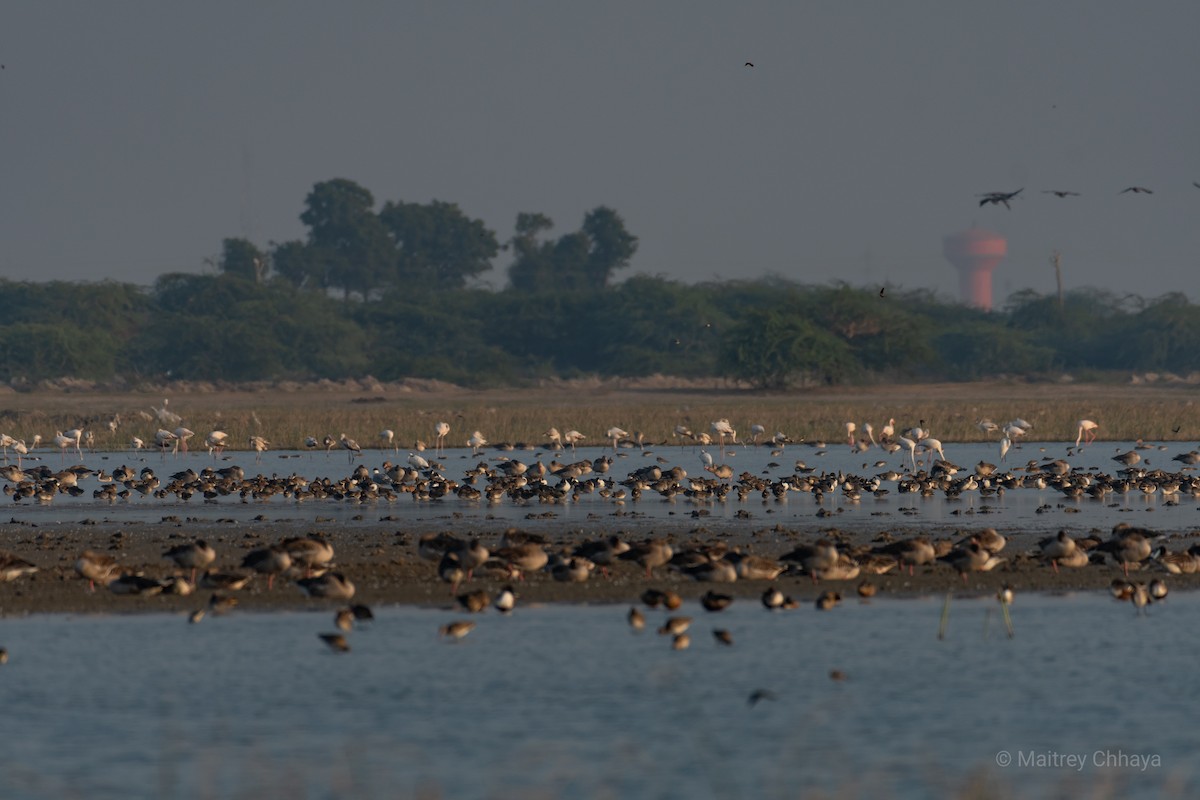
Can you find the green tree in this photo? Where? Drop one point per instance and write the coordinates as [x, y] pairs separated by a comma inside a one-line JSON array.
[[438, 246], [609, 246], [351, 247], [241, 258], [581, 260], [772, 350]]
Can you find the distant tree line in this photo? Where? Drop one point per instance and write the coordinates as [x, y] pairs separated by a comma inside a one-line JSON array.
[[395, 293]]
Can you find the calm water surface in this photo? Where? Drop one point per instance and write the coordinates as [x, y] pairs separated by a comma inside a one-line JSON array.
[[567, 701]]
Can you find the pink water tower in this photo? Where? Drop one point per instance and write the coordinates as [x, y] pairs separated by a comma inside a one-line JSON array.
[[975, 253]]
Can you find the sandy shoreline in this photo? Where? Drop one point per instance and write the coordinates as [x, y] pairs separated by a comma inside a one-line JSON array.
[[381, 559]]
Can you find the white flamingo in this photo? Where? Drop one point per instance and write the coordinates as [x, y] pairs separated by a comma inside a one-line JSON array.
[[1087, 429], [477, 442], [259, 445], [64, 442], [441, 429], [182, 435], [215, 442], [615, 435], [573, 437], [722, 428], [1005, 443], [388, 437], [850, 428]]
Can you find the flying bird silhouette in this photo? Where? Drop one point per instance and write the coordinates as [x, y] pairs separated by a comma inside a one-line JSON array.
[[882, 290], [748, 64], [1137, 190], [1059, 193], [999, 197]]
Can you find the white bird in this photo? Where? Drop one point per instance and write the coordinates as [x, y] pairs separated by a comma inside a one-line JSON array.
[[21, 450], [6, 442], [1005, 443], [182, 435], [136, 443], [850, 428], [215, 442], [441, 429], [887, 431], [477, 442], [64, 442], [706, 459], [722, 428], [986, 425], [1087, 428], [167, 417], [615, 435], [931, 446], [310, 442], [552, 436], [912, 449], [1014, 431], [350, 446], [573, 437], [258, 444], [756, 431], [417, 462], [870, 431], [388, 437]]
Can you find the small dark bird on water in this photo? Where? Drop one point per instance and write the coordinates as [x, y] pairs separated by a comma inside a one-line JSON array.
[[760, 694], [336, 642], [837, 675], [723, 636]]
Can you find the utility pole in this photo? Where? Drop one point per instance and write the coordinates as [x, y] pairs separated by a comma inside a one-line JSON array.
[[1056, 260]]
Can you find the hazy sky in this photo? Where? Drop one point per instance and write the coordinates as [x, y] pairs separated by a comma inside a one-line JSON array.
[[138, 135]]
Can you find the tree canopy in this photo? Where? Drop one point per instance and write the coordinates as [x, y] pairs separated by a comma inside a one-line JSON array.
[[396, 292]]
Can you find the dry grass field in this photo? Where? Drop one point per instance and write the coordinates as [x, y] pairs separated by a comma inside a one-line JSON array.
[[286, 413]]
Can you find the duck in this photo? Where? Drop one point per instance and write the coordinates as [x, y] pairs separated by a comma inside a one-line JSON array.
[[1057, 547], [506, 601], [96, 567], [475, 601], [649, 554], [195, 556], [971, 558], [1127, 545], [712, 601], [13, 566], [329, 586], [456, 630], [335, 642], [269, 561]]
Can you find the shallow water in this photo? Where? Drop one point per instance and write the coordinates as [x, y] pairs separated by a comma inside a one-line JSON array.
[[567, 701], [1027, 509]]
